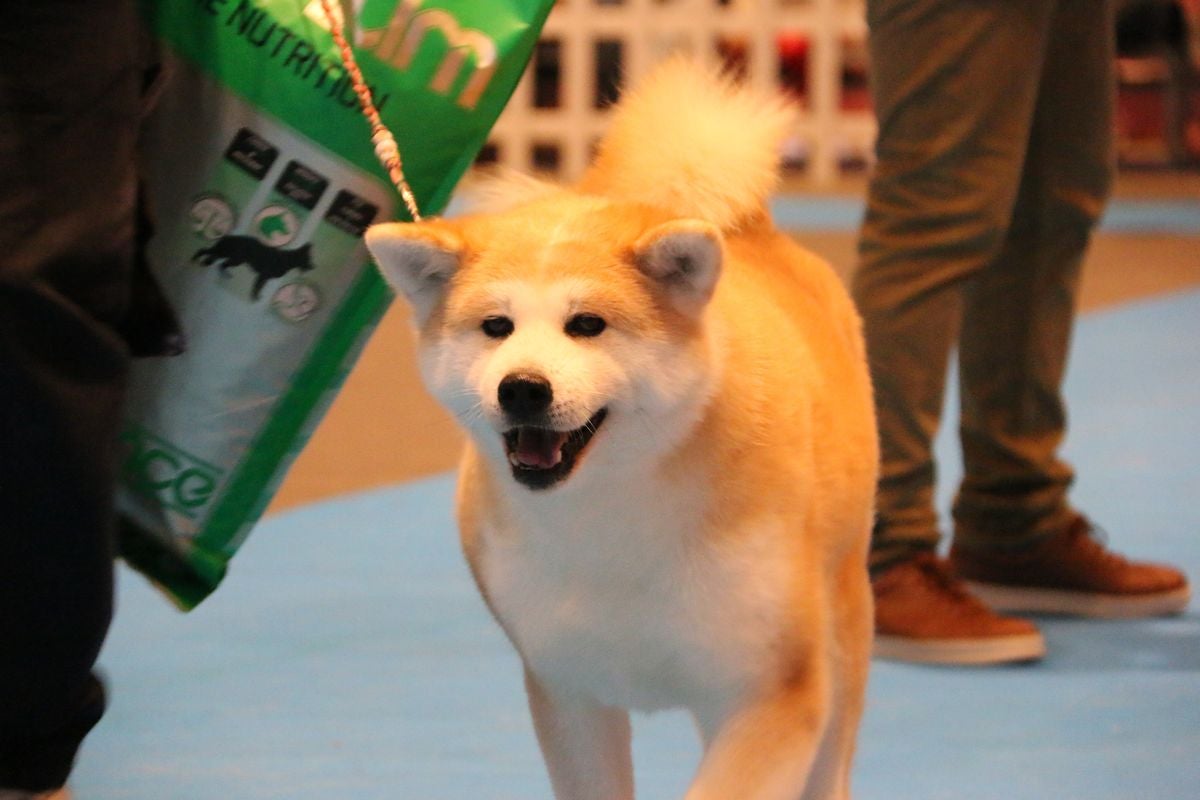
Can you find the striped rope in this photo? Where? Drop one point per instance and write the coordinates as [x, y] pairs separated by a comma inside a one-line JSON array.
[[386, 149]]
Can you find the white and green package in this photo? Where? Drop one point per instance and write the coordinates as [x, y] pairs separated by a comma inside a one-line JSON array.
[[262, 178]]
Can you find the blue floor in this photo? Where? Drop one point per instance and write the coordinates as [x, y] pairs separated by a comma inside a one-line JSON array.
[[1178, 216], [347, 655]]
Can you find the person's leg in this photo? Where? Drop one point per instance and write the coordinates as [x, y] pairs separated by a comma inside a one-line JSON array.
[[1021, 309], [69, 103], [955, 86], [1016, 537]]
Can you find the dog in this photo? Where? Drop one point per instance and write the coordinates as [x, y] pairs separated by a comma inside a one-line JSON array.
[[668, 489], [266, 261]]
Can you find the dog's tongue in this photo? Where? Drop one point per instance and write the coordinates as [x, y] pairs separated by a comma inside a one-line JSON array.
[[539, 447]]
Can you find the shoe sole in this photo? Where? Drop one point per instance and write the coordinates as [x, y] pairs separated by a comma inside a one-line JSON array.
[[961, 652], [1080, 604]]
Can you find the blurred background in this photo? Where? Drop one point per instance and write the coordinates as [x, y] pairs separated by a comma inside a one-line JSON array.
[[384, 428]]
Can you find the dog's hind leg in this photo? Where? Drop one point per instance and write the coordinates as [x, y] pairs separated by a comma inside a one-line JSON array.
[[830, 775], [767, 748], [259, 282], [851, 648], [586, 746]]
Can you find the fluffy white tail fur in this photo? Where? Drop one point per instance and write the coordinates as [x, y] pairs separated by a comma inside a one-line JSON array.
[[693, 142]]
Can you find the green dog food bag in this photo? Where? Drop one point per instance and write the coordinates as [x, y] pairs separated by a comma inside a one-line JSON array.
[[262, 179]]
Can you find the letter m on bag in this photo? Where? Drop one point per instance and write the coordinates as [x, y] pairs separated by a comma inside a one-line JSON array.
[[399, 42]]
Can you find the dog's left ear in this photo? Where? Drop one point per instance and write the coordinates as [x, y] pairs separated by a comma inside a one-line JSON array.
[[684, 257], [417, 260]]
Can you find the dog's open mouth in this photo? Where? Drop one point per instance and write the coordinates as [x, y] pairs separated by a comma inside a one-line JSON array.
[[541, 457]]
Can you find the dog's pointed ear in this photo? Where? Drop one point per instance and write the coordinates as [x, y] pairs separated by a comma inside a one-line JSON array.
[[684, 257], [417, 260]]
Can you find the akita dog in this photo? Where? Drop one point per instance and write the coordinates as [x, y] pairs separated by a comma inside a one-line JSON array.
[[668, 490]]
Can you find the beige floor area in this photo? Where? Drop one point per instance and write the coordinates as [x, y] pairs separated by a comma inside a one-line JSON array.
[[384, 428]]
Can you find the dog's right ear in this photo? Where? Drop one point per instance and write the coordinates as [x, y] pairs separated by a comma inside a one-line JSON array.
[[417, 260], [684, 258]]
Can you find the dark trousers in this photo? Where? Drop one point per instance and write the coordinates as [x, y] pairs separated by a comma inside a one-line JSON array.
[[70, 103], [995, 158]]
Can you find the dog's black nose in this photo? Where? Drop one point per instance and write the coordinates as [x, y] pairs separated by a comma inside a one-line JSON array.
[[524, 395]]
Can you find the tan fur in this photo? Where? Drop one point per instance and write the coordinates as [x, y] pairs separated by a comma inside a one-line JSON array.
[[709, 548]]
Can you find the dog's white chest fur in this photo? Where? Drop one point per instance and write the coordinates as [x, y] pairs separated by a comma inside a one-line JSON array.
[[627, 607]]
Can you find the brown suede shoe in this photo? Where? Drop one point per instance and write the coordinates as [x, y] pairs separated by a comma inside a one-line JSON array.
[[1072, 573], [925, 615]]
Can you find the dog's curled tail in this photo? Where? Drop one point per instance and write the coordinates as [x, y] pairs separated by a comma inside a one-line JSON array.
[[695, 143]]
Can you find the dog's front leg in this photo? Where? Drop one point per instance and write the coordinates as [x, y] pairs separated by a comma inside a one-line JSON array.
[[586, 746], [764, 750]]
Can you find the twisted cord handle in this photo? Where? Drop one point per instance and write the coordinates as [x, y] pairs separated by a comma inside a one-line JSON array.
[[386, 149]]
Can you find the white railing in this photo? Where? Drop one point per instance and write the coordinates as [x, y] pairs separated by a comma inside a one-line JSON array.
[[819, 39]]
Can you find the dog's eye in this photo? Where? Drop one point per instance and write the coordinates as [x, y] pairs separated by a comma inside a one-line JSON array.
[[497, 327], [586, 325]]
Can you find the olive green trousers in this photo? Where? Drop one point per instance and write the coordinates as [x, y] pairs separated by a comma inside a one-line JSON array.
[[994, 161]]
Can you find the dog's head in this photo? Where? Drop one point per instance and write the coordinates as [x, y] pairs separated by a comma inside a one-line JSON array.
[[565, 332]]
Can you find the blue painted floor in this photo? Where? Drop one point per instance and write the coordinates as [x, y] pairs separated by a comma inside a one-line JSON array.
[[347, 655], [1176, 216]]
